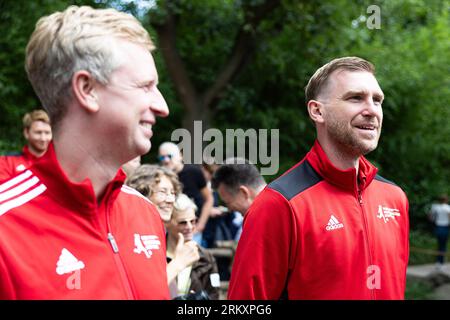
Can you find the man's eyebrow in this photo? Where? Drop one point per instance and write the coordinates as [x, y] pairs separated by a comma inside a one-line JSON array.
[[379, 96], [147, 82], [354, 93], [361, 92]]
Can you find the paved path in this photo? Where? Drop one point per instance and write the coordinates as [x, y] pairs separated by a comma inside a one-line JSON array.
[[429, 272], [425, 270]]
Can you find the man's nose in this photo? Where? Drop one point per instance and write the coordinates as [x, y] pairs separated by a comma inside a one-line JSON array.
[[158, 104], [189, 225], [371, 108]]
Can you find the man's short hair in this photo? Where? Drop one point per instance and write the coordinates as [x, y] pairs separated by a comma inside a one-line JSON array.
[[36, 115], [170, 146], [233, 174], [320, 78], [79, 38]]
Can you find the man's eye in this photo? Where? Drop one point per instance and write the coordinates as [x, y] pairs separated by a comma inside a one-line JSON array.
[[377, 101], [356, 98], [147, 86]]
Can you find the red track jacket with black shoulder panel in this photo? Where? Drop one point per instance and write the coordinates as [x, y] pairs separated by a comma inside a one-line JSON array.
[[318, 232]]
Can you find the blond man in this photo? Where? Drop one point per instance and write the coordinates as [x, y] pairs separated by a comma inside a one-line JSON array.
[[38, 134], [79, 232]]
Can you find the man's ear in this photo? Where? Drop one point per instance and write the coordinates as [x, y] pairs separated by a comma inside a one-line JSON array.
[[26, 133], [84, 89], [245, 191], [315, 110]]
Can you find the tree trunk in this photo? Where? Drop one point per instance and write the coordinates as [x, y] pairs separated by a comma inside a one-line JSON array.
[[200, 106]]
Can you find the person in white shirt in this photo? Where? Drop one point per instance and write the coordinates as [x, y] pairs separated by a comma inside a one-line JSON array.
[[440, 216]]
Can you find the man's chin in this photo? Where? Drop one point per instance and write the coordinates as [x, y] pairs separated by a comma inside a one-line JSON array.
[[367, 148], [144, 148]]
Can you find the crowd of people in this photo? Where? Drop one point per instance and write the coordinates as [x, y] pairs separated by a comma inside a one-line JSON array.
[[101, 225]]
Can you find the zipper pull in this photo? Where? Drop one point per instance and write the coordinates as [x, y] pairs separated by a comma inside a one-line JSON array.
[[360, 198], [113, 243]]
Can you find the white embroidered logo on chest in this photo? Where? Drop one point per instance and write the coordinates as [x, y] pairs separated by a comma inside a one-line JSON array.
[[145, 244], [67, 263], [387, 213], [334, 224]]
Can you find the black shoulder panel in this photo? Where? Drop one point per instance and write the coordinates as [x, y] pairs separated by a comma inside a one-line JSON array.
[[380, 178], [296, 181]]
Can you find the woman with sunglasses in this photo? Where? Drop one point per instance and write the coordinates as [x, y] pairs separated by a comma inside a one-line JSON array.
[[202, 278]]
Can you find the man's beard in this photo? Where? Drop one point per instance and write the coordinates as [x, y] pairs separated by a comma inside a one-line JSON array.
[[349, 141]]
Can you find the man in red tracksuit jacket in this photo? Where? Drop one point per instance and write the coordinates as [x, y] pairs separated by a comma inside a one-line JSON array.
[[69, 228], [58, 242], [38, 133], [330, 227]]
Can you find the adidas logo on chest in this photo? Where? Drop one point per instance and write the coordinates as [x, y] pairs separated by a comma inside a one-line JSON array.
[[67, 263], [333, 224]]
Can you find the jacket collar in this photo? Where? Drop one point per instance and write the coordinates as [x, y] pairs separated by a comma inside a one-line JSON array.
[[79, 197], [27, 154], [344, 179]]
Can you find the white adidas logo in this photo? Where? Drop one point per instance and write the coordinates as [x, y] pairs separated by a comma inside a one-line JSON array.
[[68, 263], [333, 224], [20, 168]]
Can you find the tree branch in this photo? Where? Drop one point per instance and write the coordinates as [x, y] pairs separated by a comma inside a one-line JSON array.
[[242, 50], [175, 66]]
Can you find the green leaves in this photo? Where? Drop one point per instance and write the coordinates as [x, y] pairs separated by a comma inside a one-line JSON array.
[[410, 53]]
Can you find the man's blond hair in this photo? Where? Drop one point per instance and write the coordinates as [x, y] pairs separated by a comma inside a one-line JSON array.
[[35, 115], [320, 78], [79, 38]]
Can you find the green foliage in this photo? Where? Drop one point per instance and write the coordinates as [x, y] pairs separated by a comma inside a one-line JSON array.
[[418, 290], [410, 52], [201, 26], [17, 21], [411, 55], [421, 240]]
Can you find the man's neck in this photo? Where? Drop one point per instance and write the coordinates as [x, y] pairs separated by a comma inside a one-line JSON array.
[[340, 157], [81, 162], [256, 191], [35, 152]]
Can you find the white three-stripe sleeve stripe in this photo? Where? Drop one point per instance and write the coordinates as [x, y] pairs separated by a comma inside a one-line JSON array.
[[19, 189], [16, 180], [22, 199]]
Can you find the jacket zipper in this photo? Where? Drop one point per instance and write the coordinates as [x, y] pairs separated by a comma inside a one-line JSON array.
[[361, 204], [118, 259]]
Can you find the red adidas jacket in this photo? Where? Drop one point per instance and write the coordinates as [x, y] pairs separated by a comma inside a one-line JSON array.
[[13, 164], [57, 242], [311, 234]]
